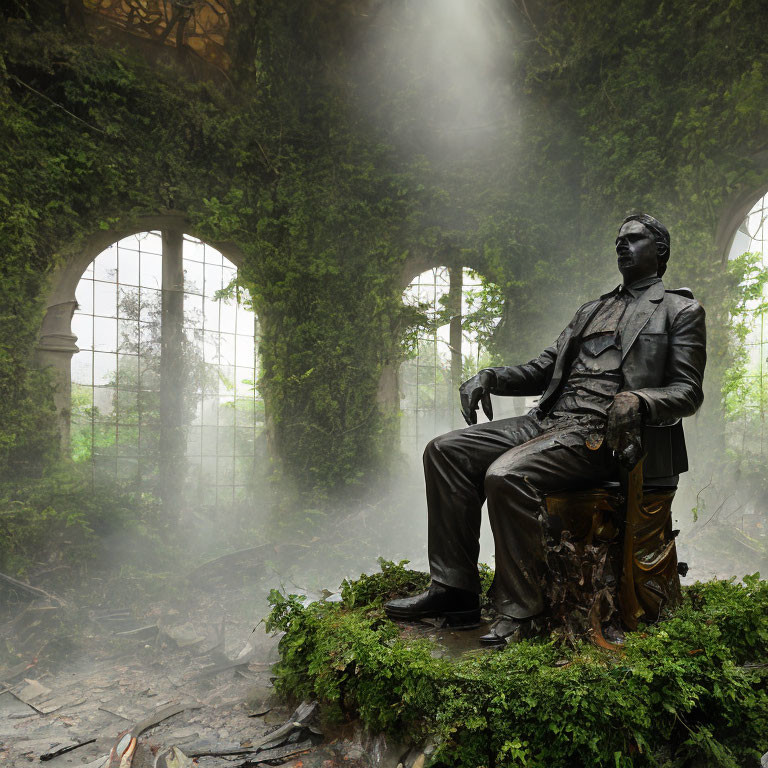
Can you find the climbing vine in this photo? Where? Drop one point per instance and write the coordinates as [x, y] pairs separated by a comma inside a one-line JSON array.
[[327, 206]]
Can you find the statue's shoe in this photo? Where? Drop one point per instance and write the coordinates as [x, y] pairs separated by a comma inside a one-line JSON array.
[[508, 630], [460, 608]]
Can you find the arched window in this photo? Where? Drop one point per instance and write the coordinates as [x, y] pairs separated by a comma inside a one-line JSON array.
[[163, 387], [457, 312], [746, 394]]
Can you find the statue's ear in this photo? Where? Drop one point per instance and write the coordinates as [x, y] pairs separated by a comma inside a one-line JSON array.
[[662, 251]]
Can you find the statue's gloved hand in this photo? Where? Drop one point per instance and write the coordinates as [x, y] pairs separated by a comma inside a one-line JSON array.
[[477, 390], [622, 432]]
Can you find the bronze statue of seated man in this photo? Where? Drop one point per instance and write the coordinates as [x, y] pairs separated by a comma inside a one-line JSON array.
[[633, 358]]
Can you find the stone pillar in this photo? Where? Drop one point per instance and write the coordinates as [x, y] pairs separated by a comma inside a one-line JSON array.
[[55, 348], [453, 305], [172, 375]]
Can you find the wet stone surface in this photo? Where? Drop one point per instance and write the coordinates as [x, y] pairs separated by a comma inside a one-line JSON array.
[[200, 652]]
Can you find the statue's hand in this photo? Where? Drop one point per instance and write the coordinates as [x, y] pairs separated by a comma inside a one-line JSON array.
[[623, 429], [477, 390]]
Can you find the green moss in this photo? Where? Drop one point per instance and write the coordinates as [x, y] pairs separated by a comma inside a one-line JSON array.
[[693, 688]]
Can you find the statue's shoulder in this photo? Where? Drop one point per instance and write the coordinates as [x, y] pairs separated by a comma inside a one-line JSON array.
[[678, 299], [684, 292]]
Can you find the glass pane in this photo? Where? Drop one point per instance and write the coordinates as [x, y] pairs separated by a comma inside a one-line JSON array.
[[213, 279], [128, 372], [149, 338], [128, 336], [104, 439], [244, 470], [208, 469], [151, 270], [151, 305], [104, 400], [84, 296], [128, 302], [104, 367], [212, 256], [105, 299], [211, 347], [228, 316], [150, 242], [227, 348], [245, 440], [244, 380], [82, 327], [105, 334], [128, 441], [197, 417], [82, 368], [226, 380], [194, 275], [211, 313], [127, 267], [105, 266], [245, 351], [226, 469], [245, 320], [193, 249], [226, 416], [127, 407], [194, 438], [193, 310], [211, 413], [228, 273]]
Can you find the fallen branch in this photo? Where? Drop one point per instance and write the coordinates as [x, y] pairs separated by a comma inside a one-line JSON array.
[[64, 750], [29, 589]]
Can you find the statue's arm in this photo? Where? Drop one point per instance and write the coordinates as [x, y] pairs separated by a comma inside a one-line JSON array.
[[682, 393], [528, 379]]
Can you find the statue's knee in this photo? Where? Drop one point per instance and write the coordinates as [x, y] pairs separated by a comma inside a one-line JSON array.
[[494, 480], [430, 450], [501, 481], [437, 445]]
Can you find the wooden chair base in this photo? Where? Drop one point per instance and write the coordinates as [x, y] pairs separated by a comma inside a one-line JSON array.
[[601, 565]]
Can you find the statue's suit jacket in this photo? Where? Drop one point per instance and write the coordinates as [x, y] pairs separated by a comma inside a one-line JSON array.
[[663, 339]]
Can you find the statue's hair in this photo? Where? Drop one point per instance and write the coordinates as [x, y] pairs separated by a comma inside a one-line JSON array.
[[660, 234]]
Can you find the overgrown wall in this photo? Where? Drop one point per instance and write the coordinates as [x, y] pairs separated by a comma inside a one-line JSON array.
[[619, 107]]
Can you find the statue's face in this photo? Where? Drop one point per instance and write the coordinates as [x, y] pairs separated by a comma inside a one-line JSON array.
[[636, 250]]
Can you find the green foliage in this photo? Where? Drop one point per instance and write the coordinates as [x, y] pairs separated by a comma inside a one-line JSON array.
[[62, 519], [394, 579], [691, 690], [326, 207]]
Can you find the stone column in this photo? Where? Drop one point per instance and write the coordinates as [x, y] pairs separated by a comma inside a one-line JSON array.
[[456, 286], [172, 375], [55, 348]]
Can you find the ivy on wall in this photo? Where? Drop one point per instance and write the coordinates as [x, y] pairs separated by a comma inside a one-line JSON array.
[[663, 111]]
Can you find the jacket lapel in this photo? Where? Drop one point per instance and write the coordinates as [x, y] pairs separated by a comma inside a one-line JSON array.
[[565, 355], [643, 308]]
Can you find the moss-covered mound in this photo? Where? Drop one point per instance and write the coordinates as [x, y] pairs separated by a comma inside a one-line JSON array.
[[691, 691]]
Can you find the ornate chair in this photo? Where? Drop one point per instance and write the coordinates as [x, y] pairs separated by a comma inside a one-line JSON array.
[[611, 555]]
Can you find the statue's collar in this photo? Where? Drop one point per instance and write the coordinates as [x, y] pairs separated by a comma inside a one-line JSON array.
[[636, 289]]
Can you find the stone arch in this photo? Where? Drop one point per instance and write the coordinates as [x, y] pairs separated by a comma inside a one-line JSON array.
[[747, 395], [56, 342], [388, 397], [445, 352]]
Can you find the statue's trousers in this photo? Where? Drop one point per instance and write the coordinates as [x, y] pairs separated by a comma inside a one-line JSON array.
[[513, 463]]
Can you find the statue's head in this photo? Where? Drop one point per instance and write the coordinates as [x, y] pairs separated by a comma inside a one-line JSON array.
[[642, 247]]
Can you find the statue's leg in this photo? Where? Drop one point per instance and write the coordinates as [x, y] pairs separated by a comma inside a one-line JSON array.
[[516, 484], [454, 469]]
